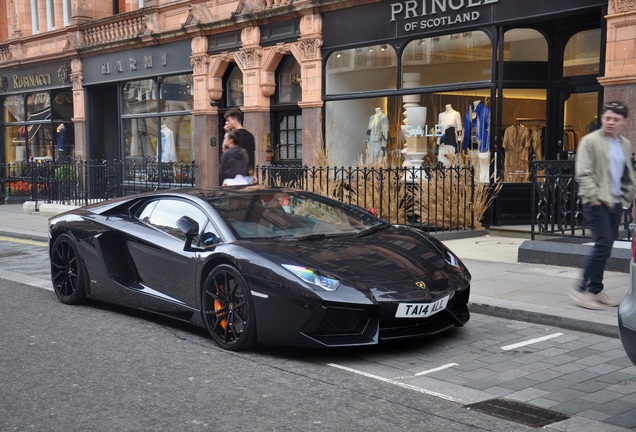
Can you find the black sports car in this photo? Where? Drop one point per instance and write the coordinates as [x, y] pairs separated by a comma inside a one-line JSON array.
[[255, 264]]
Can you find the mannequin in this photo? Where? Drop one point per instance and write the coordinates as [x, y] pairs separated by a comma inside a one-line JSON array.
[[477, 138], [168, 152], [61, 140], [450, 122], [377, 134]]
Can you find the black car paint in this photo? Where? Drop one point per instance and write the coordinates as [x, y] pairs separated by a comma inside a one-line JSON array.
[[287, 308]]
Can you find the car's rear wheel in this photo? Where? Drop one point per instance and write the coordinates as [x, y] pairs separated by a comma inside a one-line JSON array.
[[228, 309], [68, 273]]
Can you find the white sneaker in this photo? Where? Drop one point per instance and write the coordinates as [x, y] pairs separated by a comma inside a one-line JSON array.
[[585, 299], [603, 299]]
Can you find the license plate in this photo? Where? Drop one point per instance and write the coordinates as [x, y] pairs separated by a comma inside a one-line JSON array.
[[421, 310]]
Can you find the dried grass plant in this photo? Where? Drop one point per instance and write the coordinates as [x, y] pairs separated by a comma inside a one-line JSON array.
[[441, 199]]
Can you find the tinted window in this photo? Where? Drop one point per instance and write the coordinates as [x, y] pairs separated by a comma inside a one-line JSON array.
[[163, 214]]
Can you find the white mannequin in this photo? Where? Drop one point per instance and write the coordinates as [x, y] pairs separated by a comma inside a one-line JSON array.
[[448, 146], [168, 151], [377, 134]]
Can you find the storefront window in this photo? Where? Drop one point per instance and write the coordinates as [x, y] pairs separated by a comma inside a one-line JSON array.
[[523, 131], [140, 97], [177, 93], [289, 81], [158, 129], [582, 54], [429, 124], [448, 59], [362, 69], [580, 118], [524, 45], [64, 130]]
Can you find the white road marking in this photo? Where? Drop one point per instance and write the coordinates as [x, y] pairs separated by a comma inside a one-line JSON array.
[[394, 382], [446, 366], [530, 342]]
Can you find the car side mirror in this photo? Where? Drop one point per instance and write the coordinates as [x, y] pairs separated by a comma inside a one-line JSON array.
[[190, 228]]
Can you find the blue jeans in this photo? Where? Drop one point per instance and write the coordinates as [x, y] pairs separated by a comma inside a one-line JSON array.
[[603, 222]]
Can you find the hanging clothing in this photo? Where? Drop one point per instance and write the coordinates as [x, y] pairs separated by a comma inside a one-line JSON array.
[[477, 129]]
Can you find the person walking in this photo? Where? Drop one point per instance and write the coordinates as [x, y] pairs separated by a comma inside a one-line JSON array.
[[604, 172], [234, 122], [234, 161]]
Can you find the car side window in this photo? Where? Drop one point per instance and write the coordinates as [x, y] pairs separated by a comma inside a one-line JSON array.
[[163, 214]]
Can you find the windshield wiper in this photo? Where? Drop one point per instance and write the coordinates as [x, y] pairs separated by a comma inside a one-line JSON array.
[[373, 229], [313, 236]]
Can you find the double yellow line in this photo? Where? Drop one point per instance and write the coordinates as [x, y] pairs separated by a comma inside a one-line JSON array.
[[24, 241]]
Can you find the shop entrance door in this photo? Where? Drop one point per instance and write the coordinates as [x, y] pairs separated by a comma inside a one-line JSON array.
[[287, 138]]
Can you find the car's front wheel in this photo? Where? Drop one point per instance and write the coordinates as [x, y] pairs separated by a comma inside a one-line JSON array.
[[228, 309], [68, 273]]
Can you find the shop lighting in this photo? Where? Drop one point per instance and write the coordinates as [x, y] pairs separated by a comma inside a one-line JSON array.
[[383, 48], [371, 49], [339, 54], [422, 42]]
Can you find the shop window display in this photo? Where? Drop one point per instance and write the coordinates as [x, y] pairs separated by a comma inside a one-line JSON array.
[[157, 121], [523, 132], [427, 125]]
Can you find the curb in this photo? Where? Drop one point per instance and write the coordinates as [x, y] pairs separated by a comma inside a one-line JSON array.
[[569, 323]]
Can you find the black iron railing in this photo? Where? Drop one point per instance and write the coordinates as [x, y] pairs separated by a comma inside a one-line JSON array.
[[556, 208], [79, 182], [434, 199]]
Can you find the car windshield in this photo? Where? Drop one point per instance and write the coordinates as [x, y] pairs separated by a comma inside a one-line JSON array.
[[290, 215]]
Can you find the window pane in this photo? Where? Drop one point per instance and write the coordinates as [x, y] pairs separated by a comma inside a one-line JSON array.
[[39, 106], [13, 109], [289, 81], [455, 58], [582, 54], [580, 114], [63, 106], [524, 119], [234, 88], [525, 45], [140, 97], [362, 69], [177, 93]]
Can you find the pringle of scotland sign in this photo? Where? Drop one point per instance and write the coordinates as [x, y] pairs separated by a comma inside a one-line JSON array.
[[417, 15]]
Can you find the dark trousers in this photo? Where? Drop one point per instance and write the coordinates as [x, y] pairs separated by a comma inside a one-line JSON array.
[[603, 222]]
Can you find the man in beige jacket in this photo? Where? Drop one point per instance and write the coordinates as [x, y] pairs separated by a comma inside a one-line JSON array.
[[606, 181]]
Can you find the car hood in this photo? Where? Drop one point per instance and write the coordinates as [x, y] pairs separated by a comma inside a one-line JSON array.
[[398, 263]]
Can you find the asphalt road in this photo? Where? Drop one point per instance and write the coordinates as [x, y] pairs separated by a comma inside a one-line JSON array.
[[95, 368], [103, 368]]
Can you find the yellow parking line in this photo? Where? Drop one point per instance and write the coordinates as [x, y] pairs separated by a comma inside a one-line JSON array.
[[23, 241]]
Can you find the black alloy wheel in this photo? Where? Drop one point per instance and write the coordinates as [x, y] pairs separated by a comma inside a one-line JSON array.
[[68, 273], [228, 309]]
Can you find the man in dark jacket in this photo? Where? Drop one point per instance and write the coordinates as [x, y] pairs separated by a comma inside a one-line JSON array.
[[234, 122], [234, 161]]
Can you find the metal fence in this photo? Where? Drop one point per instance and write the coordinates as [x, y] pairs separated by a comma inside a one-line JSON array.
[[556, 208], [434, 199], [79, 182]]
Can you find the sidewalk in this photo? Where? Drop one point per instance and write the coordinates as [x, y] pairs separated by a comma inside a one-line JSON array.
[[501, 286]]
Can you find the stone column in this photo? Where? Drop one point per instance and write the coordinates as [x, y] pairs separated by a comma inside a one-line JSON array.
[[620, 61], [205, 123], [308, 54], [79, 109]]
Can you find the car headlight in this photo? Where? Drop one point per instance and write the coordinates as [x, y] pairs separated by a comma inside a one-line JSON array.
[[321, 279]]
